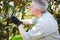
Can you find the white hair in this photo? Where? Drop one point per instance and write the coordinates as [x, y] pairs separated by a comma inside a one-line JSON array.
[[41, 4]]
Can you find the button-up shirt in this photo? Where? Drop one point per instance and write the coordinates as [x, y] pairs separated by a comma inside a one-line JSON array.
[[45, 28]]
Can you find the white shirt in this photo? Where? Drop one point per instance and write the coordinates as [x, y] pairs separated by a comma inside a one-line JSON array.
[[45, 28]]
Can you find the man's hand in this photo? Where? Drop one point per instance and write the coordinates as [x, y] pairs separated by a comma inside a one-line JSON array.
[[15, 20], [26, 22]]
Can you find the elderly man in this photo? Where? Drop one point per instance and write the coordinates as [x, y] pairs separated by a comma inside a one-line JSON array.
[[45, 27]]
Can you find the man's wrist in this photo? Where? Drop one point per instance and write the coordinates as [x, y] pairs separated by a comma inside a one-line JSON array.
[[19, 23]]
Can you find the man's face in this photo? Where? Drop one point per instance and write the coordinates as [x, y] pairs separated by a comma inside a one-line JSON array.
[[33, 10]]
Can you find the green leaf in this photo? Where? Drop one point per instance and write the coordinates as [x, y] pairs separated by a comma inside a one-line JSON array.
[[17, 37]]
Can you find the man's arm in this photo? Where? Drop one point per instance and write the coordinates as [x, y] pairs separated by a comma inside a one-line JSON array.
[[20, 27], [22, 31], [35, 33]]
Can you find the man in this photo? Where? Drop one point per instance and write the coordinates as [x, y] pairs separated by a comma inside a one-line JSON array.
[[45, 26]]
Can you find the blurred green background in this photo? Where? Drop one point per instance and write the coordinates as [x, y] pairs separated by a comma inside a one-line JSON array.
[[20, 8]]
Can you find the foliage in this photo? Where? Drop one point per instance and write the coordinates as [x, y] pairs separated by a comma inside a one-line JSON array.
[[20, 8], [17, 37]]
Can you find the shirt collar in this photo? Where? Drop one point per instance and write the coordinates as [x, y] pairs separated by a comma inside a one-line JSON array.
[[45, 13]]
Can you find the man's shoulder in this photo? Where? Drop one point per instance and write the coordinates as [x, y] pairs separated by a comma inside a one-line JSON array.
[[47, 17]]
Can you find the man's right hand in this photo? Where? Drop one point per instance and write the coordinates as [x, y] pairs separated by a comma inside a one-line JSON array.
[[26, 22]]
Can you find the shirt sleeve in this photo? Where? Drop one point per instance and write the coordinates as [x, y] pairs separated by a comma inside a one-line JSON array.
[[36, 32]]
